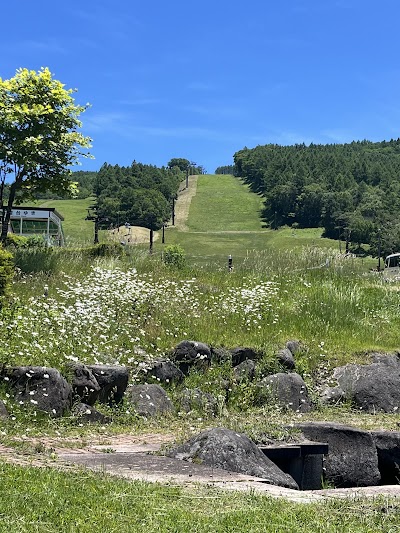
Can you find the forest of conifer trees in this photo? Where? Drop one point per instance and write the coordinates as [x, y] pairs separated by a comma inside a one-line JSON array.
[[351, 190]]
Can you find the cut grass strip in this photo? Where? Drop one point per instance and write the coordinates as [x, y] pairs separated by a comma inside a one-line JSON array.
[[224, 203]]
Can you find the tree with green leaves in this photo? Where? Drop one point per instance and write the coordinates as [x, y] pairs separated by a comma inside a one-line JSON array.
[[180, 163], [39, 138]]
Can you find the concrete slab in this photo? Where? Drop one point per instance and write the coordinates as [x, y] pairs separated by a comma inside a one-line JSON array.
[[137, 462]]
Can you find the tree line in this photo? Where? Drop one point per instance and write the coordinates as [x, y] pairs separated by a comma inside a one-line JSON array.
[[226, 169], [351, 190], [139, 194]]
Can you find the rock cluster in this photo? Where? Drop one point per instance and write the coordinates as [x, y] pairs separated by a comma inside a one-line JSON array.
[[356, 457]]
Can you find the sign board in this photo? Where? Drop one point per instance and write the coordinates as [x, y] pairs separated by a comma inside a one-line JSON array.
[[30, 213]]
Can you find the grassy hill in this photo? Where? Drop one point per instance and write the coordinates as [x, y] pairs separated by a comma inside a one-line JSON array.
[[225, 219], [224, 203]]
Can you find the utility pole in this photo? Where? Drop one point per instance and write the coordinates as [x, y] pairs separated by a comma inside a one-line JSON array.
[[379, 249], [96, 219], [173, 210]]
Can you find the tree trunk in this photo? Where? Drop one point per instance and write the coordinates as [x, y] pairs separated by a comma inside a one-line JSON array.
[[7, 216], [3, 214]]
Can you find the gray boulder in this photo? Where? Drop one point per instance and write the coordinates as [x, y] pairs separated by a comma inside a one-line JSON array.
[[294, 346], [241, 353], [220, 355], [197, 400], [84, 384], [286, 359], [149, 400], [113, 380], [226, 449], [388, 449], [244, 371], [188, 354], [332, 396], [352, 460], [165, 372], [89, 415], [373, 387], [390, 359], [40, 387], [288, 390]]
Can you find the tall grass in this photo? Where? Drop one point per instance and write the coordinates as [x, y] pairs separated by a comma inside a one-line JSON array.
[[109, 308]]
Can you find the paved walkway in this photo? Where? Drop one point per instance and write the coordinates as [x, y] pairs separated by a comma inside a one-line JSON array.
[[138, 461], [140, 458]]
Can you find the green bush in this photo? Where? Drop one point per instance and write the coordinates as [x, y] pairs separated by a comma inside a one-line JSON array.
[[15, 241], [36, 241], [6, 271], [174, 256]]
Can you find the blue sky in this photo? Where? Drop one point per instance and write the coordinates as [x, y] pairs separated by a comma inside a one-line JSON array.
[[203, 79]]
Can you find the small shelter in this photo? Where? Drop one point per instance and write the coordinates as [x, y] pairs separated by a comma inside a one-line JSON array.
[[43, 221]]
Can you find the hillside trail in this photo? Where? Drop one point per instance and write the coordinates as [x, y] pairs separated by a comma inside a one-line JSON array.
[[182, 204], [138, 235]]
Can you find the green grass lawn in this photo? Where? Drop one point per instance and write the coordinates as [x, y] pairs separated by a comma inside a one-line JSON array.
[[42, 500], [224, 203]]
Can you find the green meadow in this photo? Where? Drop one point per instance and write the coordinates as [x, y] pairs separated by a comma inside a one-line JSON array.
[[41, 500], [224, 203], [132, 308]]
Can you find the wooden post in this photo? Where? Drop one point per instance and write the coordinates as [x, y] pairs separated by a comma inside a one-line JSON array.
[[96, 230], [151, 241]]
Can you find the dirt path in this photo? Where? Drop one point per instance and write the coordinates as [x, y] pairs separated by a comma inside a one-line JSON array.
[[182, 205], [131, 235]]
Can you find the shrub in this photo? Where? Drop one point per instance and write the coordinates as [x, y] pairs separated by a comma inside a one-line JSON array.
[[15, 241], [36, 241], [174, 256], [6, 271]]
